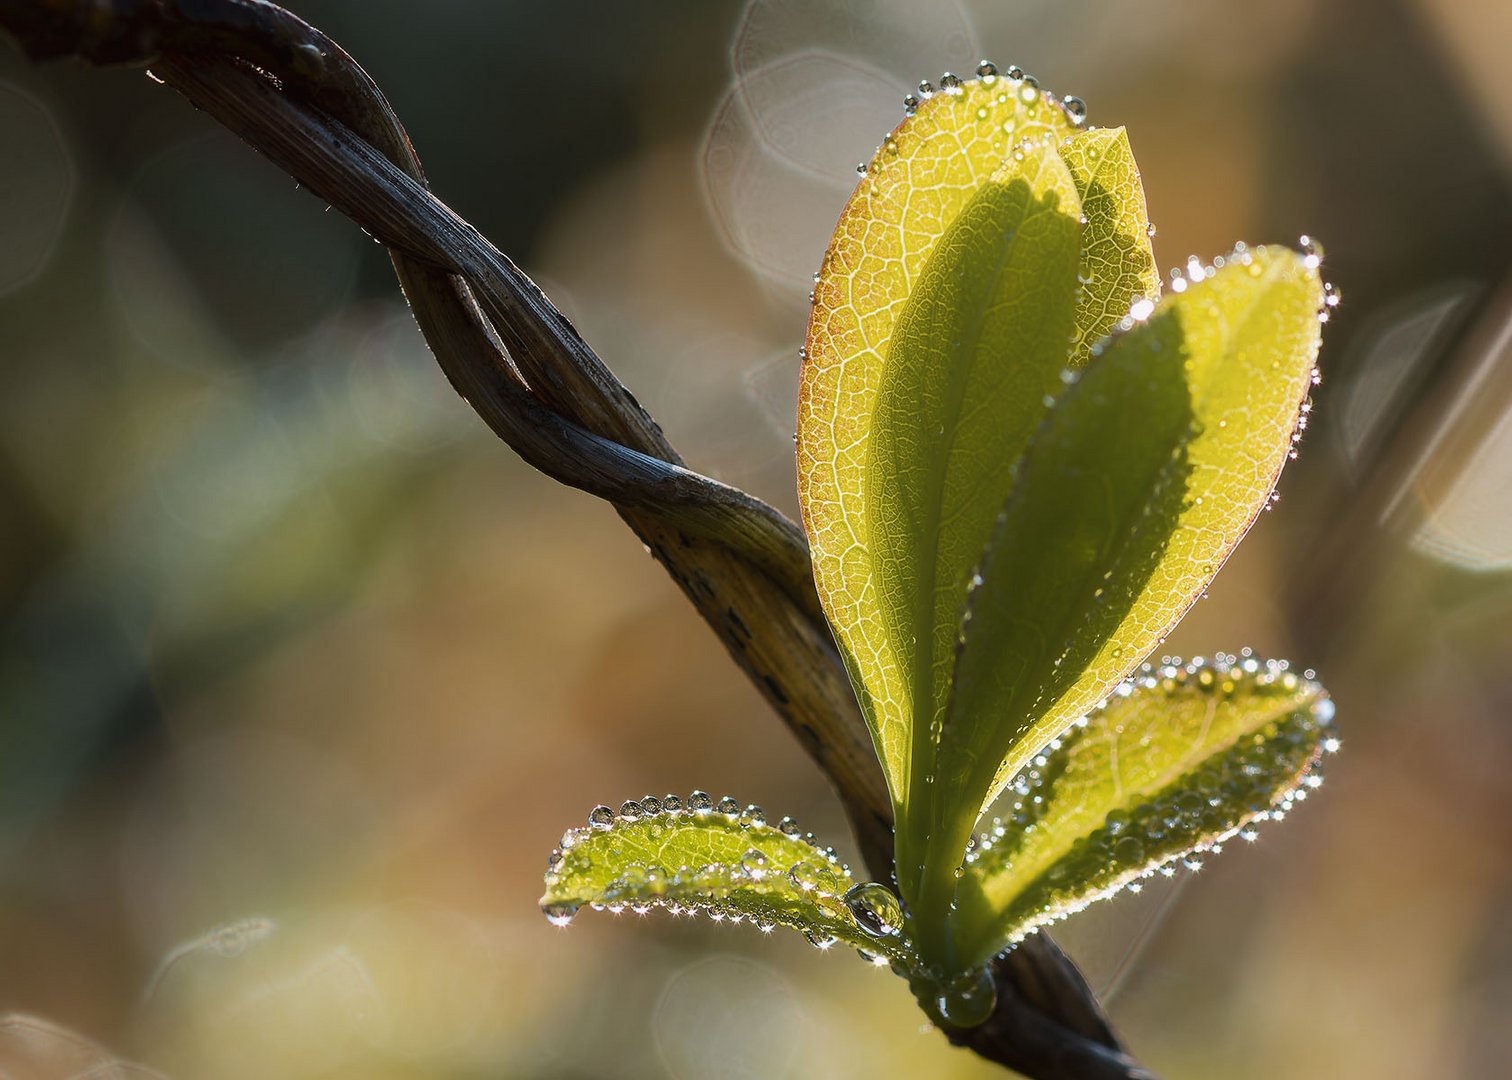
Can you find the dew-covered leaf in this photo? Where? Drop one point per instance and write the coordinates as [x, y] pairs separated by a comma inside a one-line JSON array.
[[1117, 266], [1179, 758], [925, 175], [980, 344], [726, 862], [1148, 471]]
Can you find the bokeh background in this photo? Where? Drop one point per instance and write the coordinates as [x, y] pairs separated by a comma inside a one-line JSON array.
[[302, 672]]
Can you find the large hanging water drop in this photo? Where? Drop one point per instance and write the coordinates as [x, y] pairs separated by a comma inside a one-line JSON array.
[[875, 908], [559, 914], [968, 1000]]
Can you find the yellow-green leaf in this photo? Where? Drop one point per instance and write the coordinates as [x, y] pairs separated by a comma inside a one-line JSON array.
[[1145, 475], [1117, 265], [921, 180], [1178, 759], [980, 344], [727, 862]]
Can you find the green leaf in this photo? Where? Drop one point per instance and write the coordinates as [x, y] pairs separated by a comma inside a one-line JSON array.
[[1117, 266], [1177, 760], [925, 174], [726, 862], [1148, 471], [977, 349]]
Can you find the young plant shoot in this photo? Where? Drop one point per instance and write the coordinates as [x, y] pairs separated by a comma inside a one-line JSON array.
[[1019, 465]]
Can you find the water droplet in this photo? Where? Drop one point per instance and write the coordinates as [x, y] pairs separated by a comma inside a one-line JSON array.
[[1323, 710], [819, 939], [754, 817], [699, 802], [788, 827], [806, 877], [1150, 230], [861, 168], [1312, 252], [671, 804], [631, 810], [875, 908], [1076, 110], [650, 805], [926, 88], [601, 817], [910, 104], [950, 83], [559, 914], [968, 1000], [987, 72], [1028, 95], [728, 807], [1015, 73]]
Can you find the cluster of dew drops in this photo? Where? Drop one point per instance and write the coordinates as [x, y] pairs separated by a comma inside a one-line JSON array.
[[1222, 675], [1025, 86], [824, 879]]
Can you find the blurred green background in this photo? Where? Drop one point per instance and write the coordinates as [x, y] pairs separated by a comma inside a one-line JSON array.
[[302, 672]]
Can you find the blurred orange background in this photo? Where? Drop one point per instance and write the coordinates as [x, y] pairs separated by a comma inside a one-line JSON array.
[[302, 672]]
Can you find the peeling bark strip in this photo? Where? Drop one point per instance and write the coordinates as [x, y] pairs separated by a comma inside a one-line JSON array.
[[298, 98]]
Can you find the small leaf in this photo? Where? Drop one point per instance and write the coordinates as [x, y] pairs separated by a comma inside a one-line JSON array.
[[726, 862], [1178, 759], [1117, 266], [922, 178], [1144, 477]]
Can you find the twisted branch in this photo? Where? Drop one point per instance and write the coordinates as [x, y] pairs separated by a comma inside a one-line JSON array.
[[296, 96]]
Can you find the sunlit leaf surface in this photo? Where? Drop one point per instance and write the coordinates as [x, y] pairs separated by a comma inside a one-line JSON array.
[[1180, 757], [726, 862], [953, 415], [1117, 265], [1145, 476], [923, 177]]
